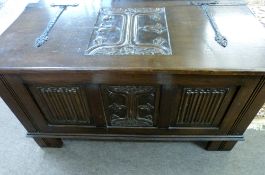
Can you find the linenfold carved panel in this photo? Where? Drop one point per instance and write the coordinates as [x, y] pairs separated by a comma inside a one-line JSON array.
[[130, 106], [63, 105], [130, 31], [200, 106]]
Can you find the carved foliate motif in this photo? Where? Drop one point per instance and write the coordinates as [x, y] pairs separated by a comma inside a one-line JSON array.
[[130, 31], [130, 106]]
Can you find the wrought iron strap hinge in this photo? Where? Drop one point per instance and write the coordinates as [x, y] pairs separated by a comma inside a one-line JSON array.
[[219, 38], [44, 36]]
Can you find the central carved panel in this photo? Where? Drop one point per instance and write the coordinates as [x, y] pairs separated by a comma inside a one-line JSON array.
[[130, 31], [130, 106]]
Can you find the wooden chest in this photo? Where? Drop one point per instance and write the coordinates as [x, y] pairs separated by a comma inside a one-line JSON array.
[[142, 70]]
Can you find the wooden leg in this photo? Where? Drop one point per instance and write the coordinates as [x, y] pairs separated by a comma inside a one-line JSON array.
[[49, 142], [220, 146]]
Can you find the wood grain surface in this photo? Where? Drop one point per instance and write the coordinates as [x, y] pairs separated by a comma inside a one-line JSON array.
[[192, 40]]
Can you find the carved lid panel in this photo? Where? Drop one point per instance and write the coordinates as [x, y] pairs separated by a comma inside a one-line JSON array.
[[130, 31]]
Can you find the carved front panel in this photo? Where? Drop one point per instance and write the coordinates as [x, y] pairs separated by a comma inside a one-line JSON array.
[[130, 106], [202, 106], [63, 105]]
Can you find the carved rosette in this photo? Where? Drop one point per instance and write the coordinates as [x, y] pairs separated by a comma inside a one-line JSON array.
[[130, 106], [130, 31]]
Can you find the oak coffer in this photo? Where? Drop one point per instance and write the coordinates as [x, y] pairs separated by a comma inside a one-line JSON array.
[[134, 70]]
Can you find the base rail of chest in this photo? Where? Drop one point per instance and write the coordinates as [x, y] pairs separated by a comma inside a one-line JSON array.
[[127, 137]]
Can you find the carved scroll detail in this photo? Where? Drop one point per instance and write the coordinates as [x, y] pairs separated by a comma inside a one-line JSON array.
[[130, 106]]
